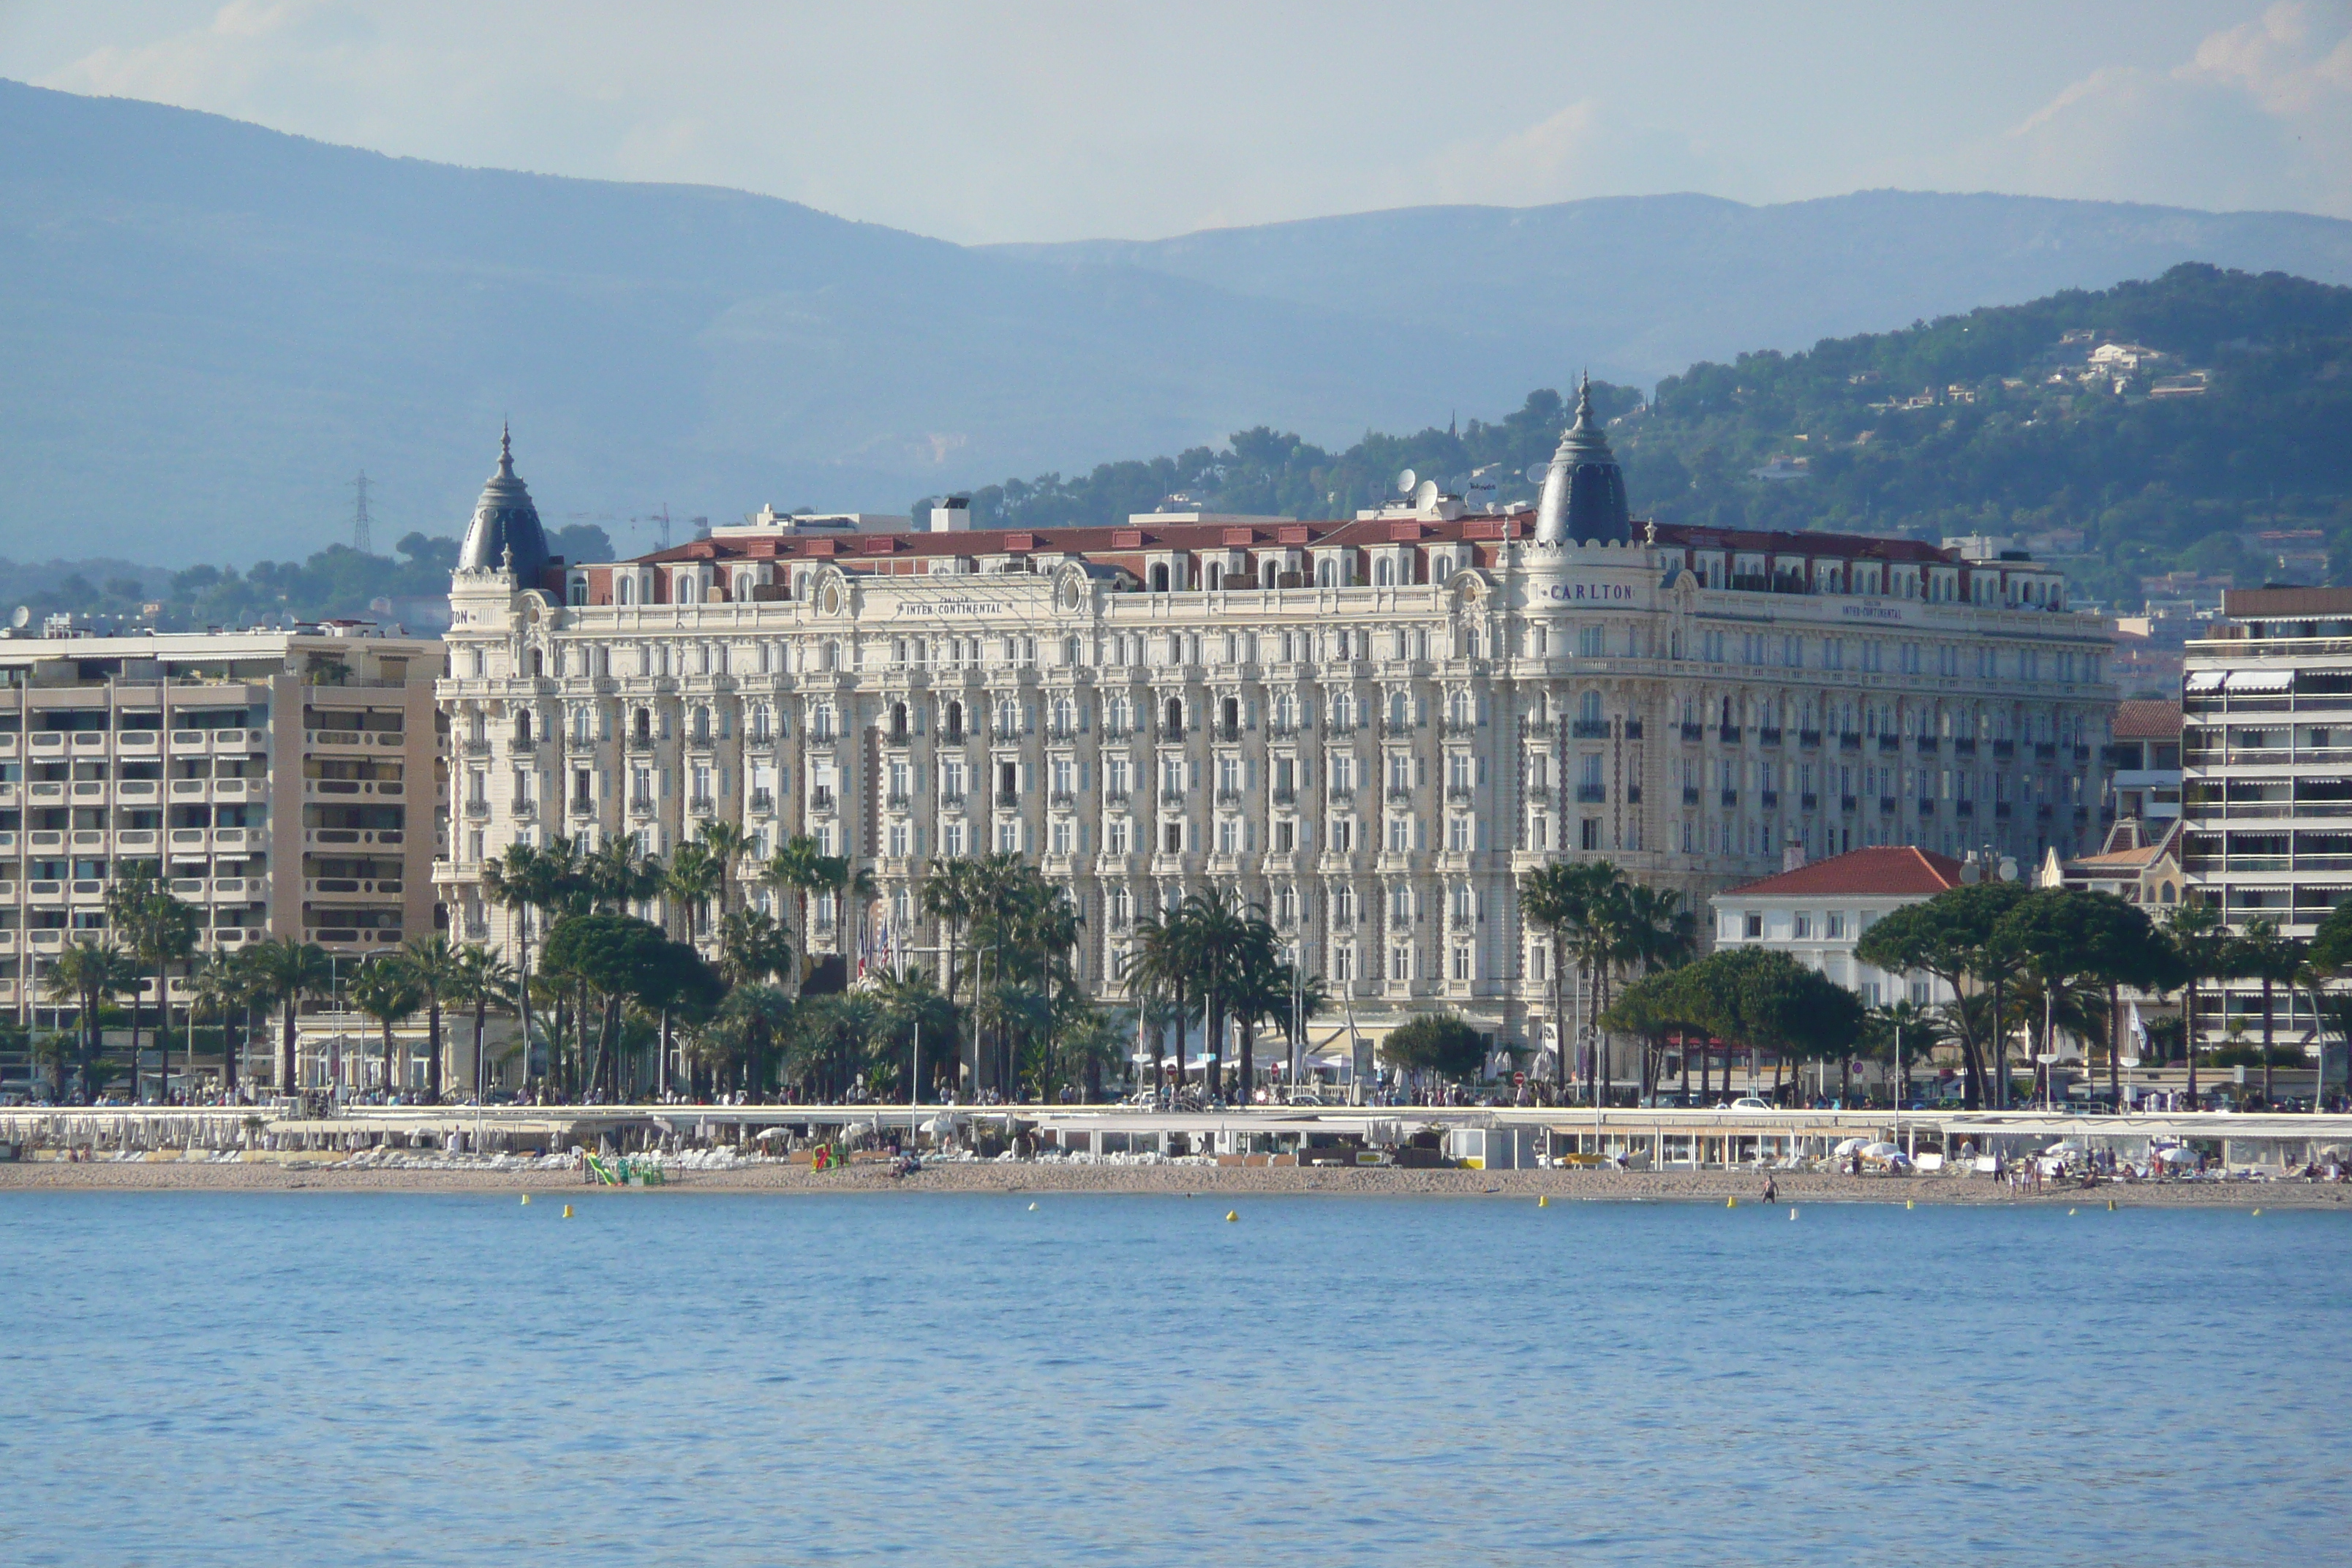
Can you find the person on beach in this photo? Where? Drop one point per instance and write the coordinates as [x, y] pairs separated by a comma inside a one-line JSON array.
[[1771, 1191]]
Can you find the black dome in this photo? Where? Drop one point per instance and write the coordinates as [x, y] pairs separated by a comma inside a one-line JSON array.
[[1584, 494], [505, 520]]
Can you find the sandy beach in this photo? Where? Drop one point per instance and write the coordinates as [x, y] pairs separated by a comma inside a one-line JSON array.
[[1035, 1177]]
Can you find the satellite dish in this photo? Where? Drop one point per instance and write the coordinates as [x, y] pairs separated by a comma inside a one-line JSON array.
[[1405, 482], [1538, 472], [1426, 496], [22, 619]]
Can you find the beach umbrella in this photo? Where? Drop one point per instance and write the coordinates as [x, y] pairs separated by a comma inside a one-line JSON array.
[[1882, 1152], [1851, 1145], [2066, 1150], [2177, 1156]]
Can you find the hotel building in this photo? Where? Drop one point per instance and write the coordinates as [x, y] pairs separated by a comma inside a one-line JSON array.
[[283, 781], [2266, 776], [1371, 727]]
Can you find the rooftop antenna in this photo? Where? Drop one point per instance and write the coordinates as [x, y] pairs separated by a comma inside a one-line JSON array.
[[360, 518], [1405, 482], [664, 523]]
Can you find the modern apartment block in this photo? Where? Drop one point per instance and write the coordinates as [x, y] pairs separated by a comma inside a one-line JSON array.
[[286, 783], [2144, 757], [2266, 760], [1370, 727]]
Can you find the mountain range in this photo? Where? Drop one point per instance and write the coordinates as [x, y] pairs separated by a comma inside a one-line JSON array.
[[209, 327]]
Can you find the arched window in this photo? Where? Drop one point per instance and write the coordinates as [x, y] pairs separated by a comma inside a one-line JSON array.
[[1174, 719], [1327, 574], [537, 662], [897, 721], [1381, 572], [522, 728], [628, 590], [1159, 577], [1271, 576], [1216, 577], [1400, 711], [1233, 715], [955, 720]]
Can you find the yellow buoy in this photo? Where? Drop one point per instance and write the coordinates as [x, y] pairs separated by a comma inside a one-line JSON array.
[[1731, 1203], [1909, 1204], [2111, 1206], [2258, 1211], [1543, 1200], [2070, 1211], [1032, 1208], [1792, 1214], [526, 1200], [567, 1211], [1231, 1216]]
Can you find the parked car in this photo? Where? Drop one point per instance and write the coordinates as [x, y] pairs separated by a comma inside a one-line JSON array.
[[1749, 1103]]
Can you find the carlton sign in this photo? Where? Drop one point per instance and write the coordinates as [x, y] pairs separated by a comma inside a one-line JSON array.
[[1587, 592]]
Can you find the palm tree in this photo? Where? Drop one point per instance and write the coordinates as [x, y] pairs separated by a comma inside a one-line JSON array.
[[438, 970], [90, 974], [693, 878], [2201, 943], [724, 845], [797, 869], [1557, 899], [752, 948], [1161, 966], [755, 1019], [384, 989], [946, 896], [157, 930], [528, 880], [284, 971], [222, 988], [482, 979], [913, 1010], [2261, 954]]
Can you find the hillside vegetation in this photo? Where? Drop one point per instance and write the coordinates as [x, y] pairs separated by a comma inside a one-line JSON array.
[[2238, 425]]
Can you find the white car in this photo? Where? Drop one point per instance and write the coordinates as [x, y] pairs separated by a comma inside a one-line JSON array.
[[1749, 1103]]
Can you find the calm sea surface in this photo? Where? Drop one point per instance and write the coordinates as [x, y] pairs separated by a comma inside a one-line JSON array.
[[687, 1378]]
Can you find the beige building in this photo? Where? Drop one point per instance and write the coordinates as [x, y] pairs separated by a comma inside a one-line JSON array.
[[1370, 727], [285, 782]]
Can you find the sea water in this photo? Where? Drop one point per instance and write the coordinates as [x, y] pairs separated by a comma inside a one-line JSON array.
[[676, 1377]]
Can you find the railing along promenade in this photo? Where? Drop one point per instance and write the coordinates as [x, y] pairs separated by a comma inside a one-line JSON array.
[[1667, 1137]]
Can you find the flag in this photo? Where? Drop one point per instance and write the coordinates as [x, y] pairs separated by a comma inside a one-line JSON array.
[[2137, 1032]]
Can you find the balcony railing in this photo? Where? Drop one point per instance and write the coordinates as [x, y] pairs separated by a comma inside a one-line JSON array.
[[1591, 794], [1765, 737], [1727, 733], [1694, 731], [1810, 737], [1589, 730], [1851, 741]]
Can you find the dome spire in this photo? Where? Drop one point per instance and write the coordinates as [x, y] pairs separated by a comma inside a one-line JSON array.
[[1584, 489], [505, 535]]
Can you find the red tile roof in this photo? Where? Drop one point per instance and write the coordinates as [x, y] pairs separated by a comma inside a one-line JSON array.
[[1213, 536], [2142, 721], [1890, 872]]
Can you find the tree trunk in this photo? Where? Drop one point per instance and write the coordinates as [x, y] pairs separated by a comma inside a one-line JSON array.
[[286, 1064], [2266, 1044], [433, 1044], [2189, 1036], [2000, 1047], [2114, 1045], [1559, 1014], [163, 1035], [481, 1024]]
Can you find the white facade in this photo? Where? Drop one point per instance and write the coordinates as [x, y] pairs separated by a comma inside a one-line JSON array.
[[1369, 728]]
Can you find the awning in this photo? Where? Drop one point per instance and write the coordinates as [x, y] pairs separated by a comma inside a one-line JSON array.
[[2206, 680], [2260, 680]]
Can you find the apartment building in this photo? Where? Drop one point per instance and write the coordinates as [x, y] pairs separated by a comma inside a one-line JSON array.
[[1371, 727], [286, 783], [2267, 780]]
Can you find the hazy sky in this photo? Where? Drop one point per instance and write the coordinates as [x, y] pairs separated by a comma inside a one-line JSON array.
[[1024, 121]]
